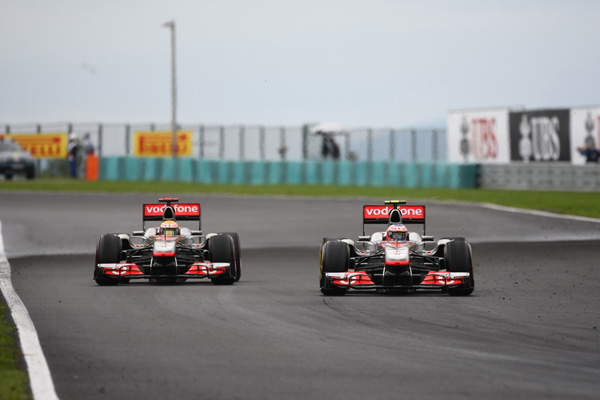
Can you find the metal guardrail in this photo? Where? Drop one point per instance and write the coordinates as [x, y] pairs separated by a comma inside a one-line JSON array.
[[540, 176]]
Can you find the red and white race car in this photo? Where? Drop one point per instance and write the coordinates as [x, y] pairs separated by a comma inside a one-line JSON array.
[[168, 252], [396, 260]]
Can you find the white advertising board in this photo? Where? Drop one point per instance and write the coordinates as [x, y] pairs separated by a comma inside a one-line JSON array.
[[585, 131], [478, 136]]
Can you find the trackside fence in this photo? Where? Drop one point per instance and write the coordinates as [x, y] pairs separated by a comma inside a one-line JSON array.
[[246, 154], [262, 143]]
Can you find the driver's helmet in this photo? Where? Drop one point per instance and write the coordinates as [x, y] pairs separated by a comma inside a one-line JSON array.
[[169, 228], [396, 232]]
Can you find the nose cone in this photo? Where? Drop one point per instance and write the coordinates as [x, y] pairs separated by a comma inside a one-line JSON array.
[[164, 248]]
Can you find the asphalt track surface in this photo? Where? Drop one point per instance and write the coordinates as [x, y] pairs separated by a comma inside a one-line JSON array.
[[530, 330]]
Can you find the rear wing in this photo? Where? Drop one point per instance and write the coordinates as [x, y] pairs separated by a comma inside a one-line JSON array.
[[382, 214], [172, 211]]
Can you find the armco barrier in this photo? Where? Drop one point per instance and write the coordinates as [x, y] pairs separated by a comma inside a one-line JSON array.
[[541, 176], [335, 173]]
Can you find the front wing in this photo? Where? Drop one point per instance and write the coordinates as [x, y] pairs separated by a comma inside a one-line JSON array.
[[360, 280], [197, 270]]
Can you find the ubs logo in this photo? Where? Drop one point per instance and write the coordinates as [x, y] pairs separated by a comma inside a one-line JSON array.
[[483, 143], [539, 138]]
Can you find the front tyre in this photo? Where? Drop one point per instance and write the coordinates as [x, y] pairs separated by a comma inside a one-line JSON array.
[[222, 249], [458, 258], [335, 257], [108, 250], [238, 253]]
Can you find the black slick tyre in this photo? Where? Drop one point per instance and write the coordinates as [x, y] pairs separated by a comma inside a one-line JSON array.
[[108, 251], [458, 258], [335, 257], [327, 239], [222, 249], [238, 253]]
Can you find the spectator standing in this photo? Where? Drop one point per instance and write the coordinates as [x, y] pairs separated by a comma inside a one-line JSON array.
[[72, 151], [329, 147], [591, 154], [88, 146]]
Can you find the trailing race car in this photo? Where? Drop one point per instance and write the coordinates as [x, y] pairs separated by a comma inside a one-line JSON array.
[[169, 252], [396, 261]]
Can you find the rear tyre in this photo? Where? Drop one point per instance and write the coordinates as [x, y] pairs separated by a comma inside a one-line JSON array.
[[238, 253], [335, 257], [108, 250], [222, 249], [458, 258]]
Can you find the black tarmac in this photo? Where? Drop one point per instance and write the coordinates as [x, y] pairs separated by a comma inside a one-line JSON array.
[[530, 330]]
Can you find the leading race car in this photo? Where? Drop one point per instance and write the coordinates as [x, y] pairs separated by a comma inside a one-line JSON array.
[[397, 260], [168, 252]]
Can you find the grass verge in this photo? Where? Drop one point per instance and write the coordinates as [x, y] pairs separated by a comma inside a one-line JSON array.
[[574, 203], [14, 383]]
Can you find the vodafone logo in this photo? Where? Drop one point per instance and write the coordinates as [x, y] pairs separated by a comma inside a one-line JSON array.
[[152, 210], [374, 212], [412, 212]]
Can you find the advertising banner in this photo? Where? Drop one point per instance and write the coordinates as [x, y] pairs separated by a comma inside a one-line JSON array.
[[478, 136], [43, 145], [159, 143], [541, 135], [585, 132]]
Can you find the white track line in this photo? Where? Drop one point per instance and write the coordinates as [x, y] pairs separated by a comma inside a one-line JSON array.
[[539, 213], [40, 379]]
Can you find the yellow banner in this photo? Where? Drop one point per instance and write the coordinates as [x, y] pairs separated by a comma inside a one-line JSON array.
[[159, 143], [43, 145]]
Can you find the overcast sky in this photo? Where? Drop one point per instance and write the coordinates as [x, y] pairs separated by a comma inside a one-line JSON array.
[[286, 62]]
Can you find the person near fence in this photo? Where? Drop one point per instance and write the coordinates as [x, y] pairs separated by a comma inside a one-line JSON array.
[[72, 151], [591, 154], [329, 147], [88, 148]]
